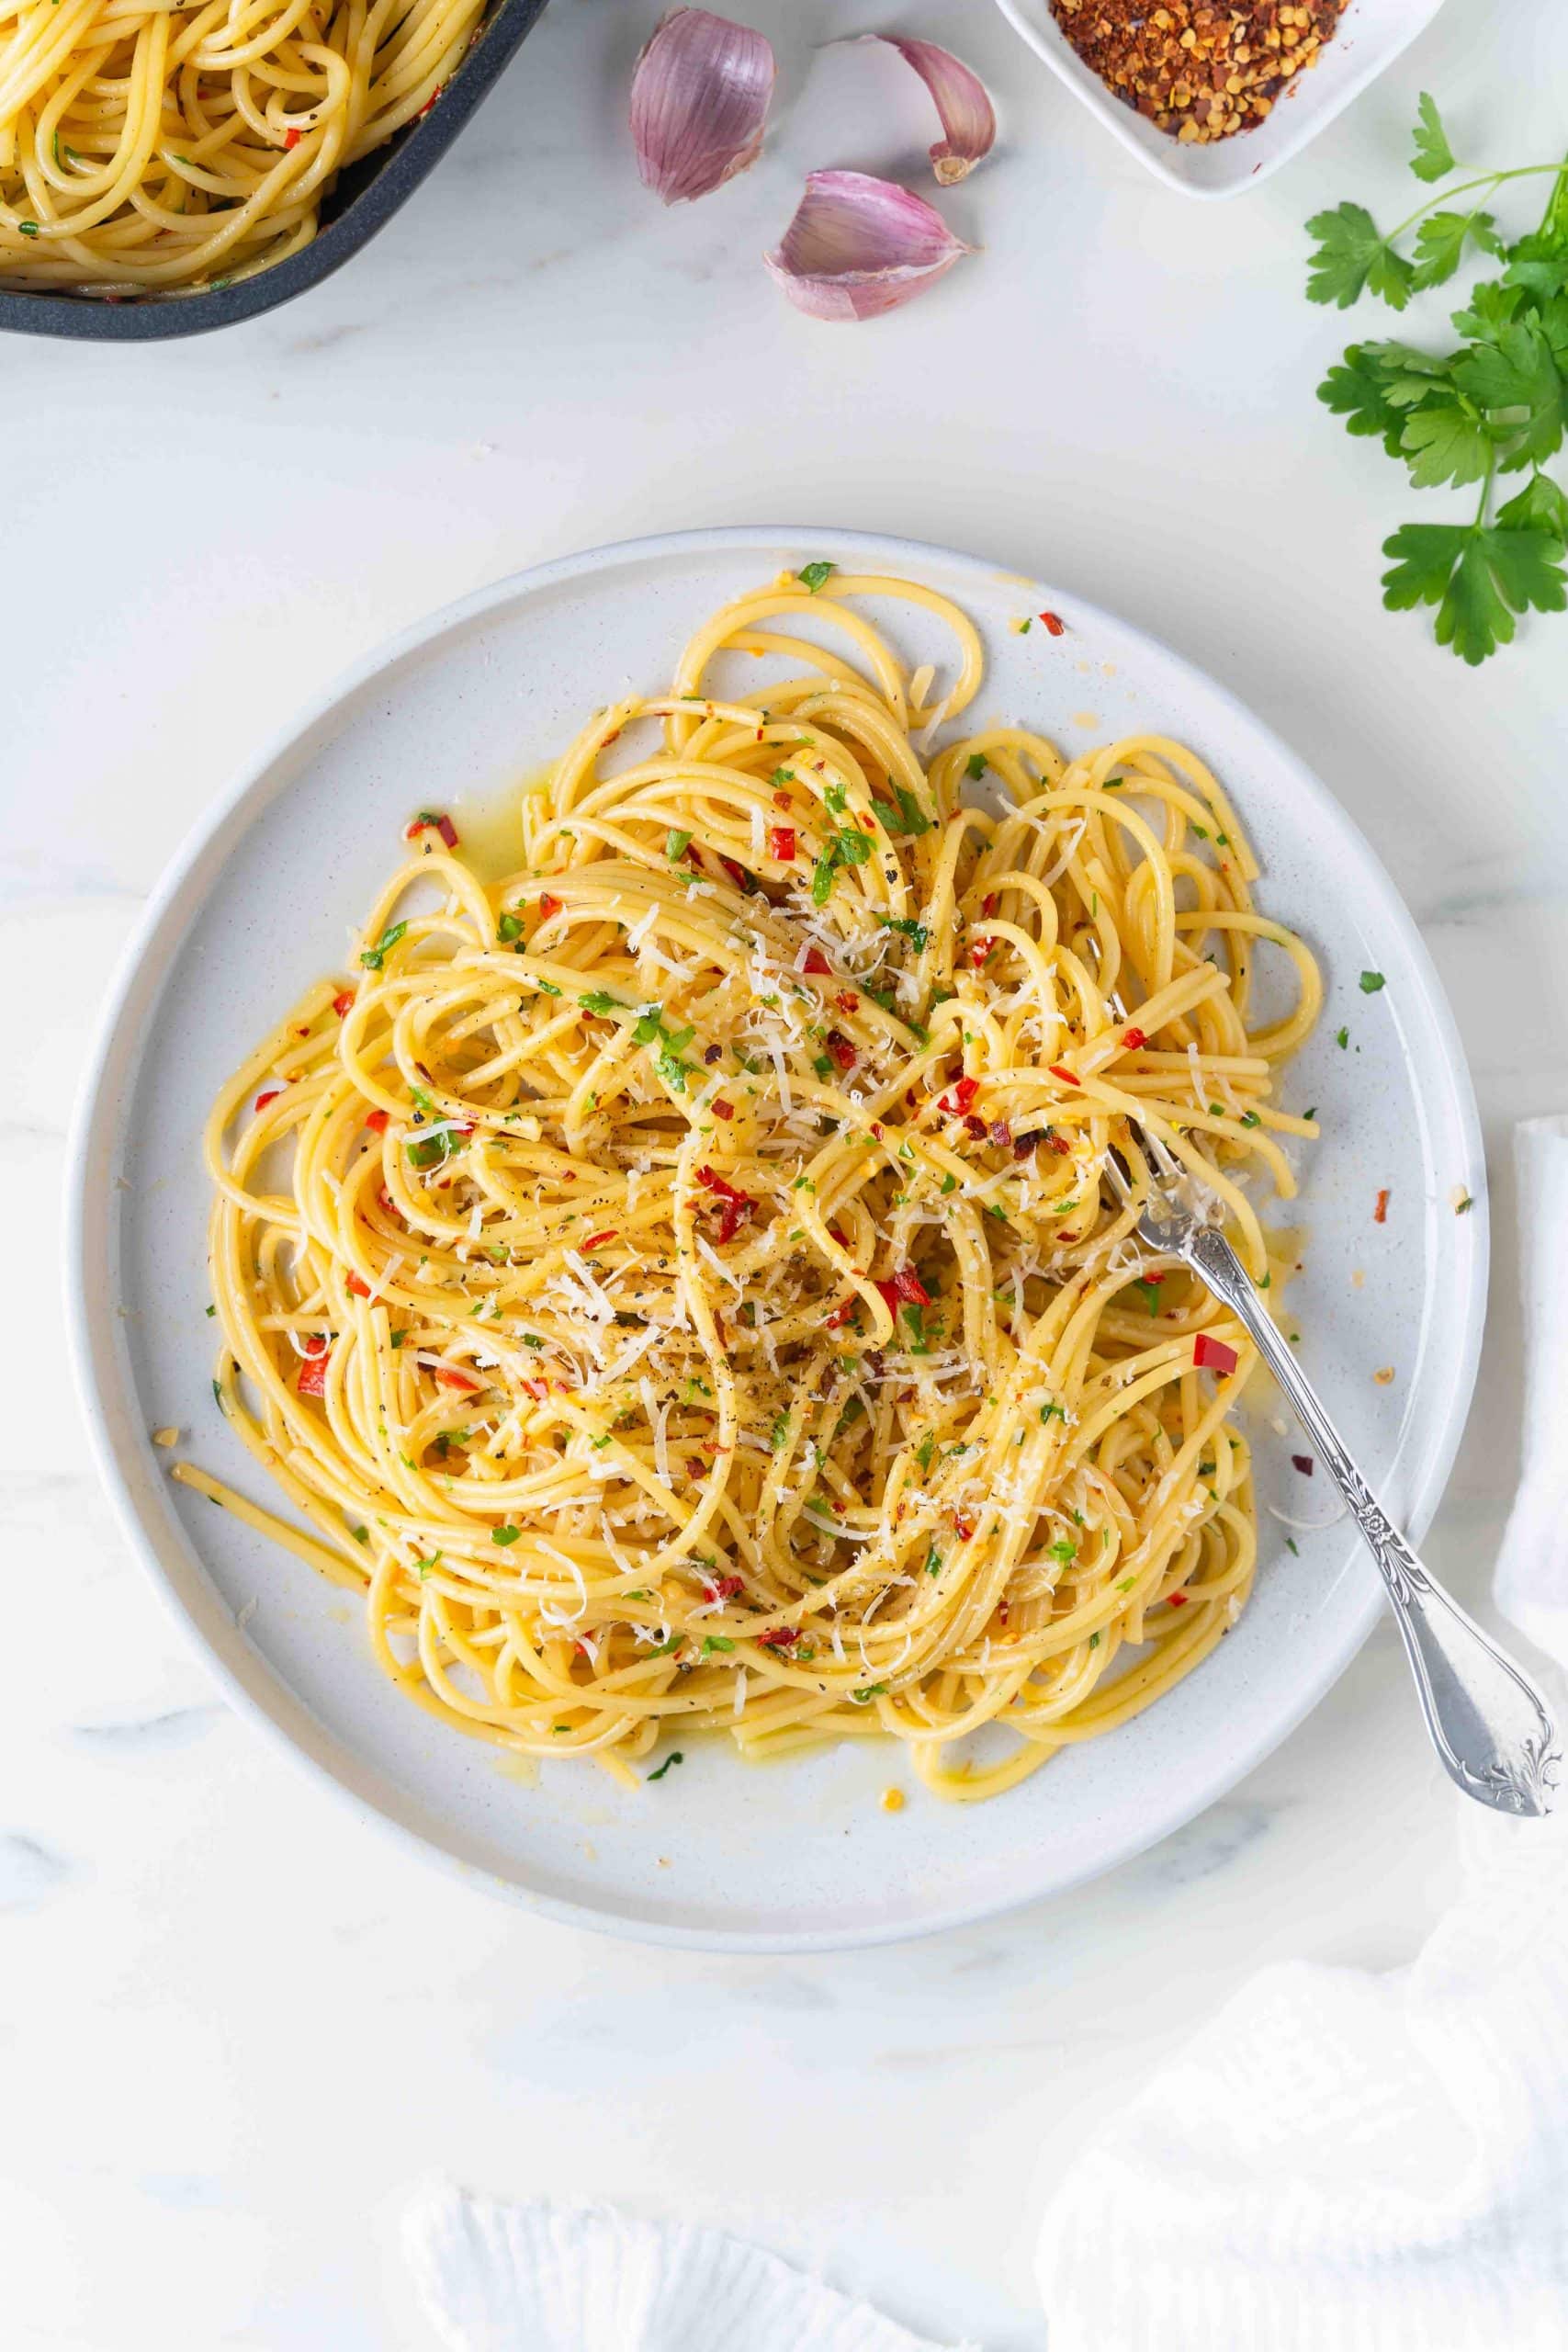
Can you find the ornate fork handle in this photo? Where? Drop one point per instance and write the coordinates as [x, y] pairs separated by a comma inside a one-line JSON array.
[[1488, 1722]]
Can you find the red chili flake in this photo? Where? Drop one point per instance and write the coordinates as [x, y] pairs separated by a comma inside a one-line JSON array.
[[549, 906], [834, 1234], [312, 1380], [1066, 1076], [1025, 1147], [343, 1006], [842, 1312], [1212, 1355], [597, 1240], [717, 1183], [783, 1637], [958, 1101], [1002, 1133], [1055, 625], [447, 830], [695, 1466], [1067, 1236], [989, 904], [839, 1046], [538, 1389], [721, 1109], [291, 138], [975, 1127], [712, 1053], [783, 800], [453, 1378], [815, 961], [964, 1526], [1380, 1214], [1301, 1462], [270, 1096], [781, 843], [1058, 1144], [744, 882], [725, 1589], [315, 1344], [430, 101], [1176, 1599], [388, 1203], [360, 1289], [908, 1286], [376, 1119], [876, 1129], [1133, 1039]]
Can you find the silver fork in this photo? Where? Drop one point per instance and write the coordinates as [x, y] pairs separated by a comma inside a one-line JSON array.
[[1488, 1722]]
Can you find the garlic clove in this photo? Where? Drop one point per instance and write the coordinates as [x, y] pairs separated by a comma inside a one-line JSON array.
[[968, 118], [858, 246], [700, 94]]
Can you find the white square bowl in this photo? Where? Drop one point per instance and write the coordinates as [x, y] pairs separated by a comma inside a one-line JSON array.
[[1370, 35]]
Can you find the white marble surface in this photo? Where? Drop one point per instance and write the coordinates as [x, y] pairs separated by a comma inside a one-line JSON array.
[[234, 2029]]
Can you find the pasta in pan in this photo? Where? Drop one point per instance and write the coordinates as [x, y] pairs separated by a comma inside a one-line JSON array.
[[145, 146], [675, 1284]]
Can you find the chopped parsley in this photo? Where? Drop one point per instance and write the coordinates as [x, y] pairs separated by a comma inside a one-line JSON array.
[[813, 576], [674, 1757], [374, 957]]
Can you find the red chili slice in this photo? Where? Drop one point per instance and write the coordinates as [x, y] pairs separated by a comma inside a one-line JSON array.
[[1301, 1462], [315, 1344], [839, 1046], [312, 1380], [376, 1119], [909, 1285], [979, 953], [1133, 1038], [1055, 625], [1176, 1599], [1212, 1355], [958, 1101], [270, 1096], [360, 1289], [815, 961], [744, 882], [343, 1006], [975, 1127], [783, 800], [847, 1001], [964, 1526], [597, 1240], [725, 1589], [452, 1378], [781, 843], [717, 1183], [1066, 1076], [447, 830], [842, 1312], [721, 1109], [548, 906], [291, 138]]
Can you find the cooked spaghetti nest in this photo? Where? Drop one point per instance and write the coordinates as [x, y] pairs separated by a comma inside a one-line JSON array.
[[149, 145], [677, 1283]]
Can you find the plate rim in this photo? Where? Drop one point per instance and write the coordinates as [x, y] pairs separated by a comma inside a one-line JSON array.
[[251, 1686]]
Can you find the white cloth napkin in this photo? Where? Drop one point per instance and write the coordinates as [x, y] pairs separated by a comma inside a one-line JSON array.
[[1343, 2161], [544, 2277]]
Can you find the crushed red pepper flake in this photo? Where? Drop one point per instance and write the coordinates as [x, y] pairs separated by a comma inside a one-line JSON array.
[[1197, 69]]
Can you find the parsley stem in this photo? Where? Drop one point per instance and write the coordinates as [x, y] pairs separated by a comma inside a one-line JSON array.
[[1490, 181]]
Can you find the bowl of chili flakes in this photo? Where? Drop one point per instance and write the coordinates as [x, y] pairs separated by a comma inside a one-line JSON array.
[[1215, 95]]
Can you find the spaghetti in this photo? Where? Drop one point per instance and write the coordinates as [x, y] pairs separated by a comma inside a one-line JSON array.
[[675, 1284], [144, 145]]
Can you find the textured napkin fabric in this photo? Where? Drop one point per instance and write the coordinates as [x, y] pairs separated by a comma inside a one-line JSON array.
[[544, 2277], [1350, 2163]]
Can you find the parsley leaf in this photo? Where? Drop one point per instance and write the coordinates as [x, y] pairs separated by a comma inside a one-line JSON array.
[[813, 576], [1440, 244], [1353, 257], [1434, 158], [1478, 576]]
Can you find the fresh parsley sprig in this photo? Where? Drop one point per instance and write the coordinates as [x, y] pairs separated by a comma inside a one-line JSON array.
[[1497, 405]]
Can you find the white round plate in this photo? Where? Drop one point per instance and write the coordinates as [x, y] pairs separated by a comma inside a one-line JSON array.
[[796, 1856]]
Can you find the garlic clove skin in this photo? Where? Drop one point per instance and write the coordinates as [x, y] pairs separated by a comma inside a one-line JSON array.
[[968, 118], [699, 104], [858, 246]]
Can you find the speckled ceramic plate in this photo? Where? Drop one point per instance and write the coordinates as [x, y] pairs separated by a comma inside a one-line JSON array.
[[798, 1855]]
